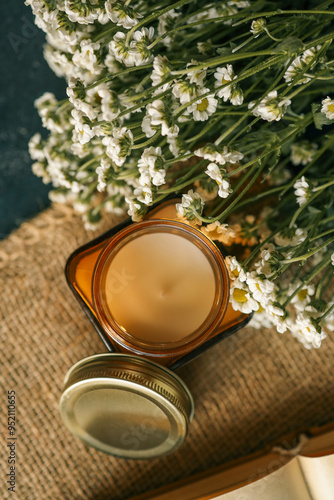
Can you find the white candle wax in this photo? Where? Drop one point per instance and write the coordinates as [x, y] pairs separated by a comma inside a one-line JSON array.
[[159, 287]]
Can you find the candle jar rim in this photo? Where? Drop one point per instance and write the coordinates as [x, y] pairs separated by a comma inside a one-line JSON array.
[[200, 334]]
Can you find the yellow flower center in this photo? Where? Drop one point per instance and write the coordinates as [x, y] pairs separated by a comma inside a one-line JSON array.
[[224, 81], [302, 294], [258, 287], [235, 272], [239, 295], [203, 105], [331, 108]]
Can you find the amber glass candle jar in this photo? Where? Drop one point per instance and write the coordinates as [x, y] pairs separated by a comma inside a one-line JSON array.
[[157, 292]]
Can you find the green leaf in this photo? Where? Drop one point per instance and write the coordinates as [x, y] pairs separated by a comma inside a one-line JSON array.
[[320, 119], [224, 51], [291, 45], [319, 304]]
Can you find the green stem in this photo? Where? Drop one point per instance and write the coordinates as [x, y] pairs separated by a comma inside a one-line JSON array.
[[186, 179], [301, 208], [308, 254], [280, 12], [223, 216], [89, 162], [328, 219], [329, 310], [108, 78], [324, 186], [154, 16], [148, 142], [317, 270], [179, 158], [321, 285], [322, 234], [248, 113], [144, 103], [215, 61], [312, 162]]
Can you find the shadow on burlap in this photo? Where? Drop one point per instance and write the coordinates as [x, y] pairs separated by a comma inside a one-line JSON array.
[[249, 390]]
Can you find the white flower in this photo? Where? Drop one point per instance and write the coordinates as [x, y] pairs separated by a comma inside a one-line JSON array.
[[166, 23], [237, 97], [119, 145], [261, 319], [45, 102], [219, 155], [230, 92], [332, 259], [161, 69], [121, 14], [184, 91], [295, 69], [135, 209], [226, 10], [81, 16], [241, 299], [110, 104], [235, 269], [306, 332], [280, 323], [144, 194], [139, 46], [264, 266], [273, 315], [146, 126], [327, 107], [101, 174], [81, 207], [86, 57], [262, 289], [82, 133], [39, 170], [36, 148], [240, 4], [204, 107], [157, 113], [120, 50], [223, 76], [274, 309], [258, 26], [291, 236], [299, 65], [214, 172], [196, 76], [89, 224], [270, 108], [302, 191], [303, 297], [149, 165], [303, 152], [219, 232], [191, 205]]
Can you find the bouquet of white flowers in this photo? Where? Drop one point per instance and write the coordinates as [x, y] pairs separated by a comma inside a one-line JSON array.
[[228, 104]]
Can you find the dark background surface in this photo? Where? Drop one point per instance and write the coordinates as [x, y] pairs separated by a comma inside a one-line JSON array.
[[24, 76]]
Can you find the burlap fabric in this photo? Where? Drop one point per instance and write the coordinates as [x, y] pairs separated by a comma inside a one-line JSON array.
[[251, 389]]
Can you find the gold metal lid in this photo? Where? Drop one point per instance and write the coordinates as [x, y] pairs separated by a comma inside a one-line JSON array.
[[126, 405]]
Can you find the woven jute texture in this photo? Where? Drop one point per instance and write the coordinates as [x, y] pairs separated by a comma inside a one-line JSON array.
[[249, 390]]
